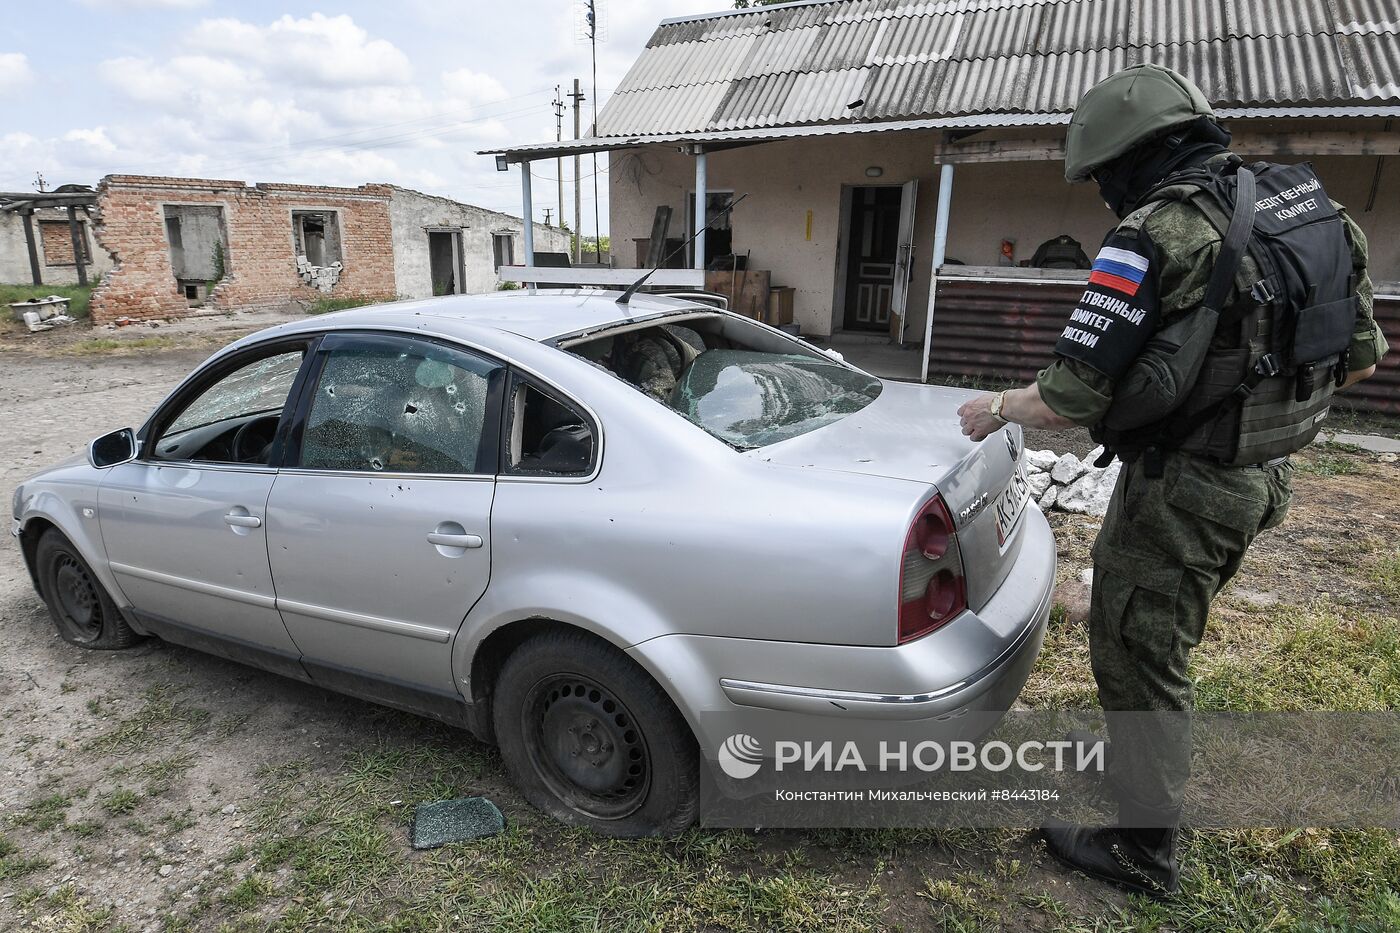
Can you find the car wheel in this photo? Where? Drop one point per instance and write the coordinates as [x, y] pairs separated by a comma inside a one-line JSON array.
[[79, 605], [592, 740]]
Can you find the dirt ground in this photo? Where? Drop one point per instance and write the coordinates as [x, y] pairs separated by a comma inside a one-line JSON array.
[[159, 788]]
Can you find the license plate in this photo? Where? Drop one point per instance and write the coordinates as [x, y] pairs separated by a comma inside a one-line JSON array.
[[1010, 504]]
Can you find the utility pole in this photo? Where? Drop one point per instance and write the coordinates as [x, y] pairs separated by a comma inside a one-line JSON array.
[[593, 131], [558, 136], [40, 182], [547, 212], [577, 96]]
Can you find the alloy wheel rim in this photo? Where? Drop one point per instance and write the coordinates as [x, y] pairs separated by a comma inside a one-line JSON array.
[[586, 746]]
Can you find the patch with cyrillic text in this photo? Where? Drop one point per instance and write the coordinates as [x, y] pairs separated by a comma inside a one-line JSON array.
[[1118, 311]]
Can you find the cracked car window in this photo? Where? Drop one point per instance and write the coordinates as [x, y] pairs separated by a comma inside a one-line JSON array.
[[750, 398], [382, 408], [258, 388]]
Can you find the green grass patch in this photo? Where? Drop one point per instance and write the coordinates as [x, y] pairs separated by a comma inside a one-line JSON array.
[[163, 716], [327, 305], [13, 865], [120, 801], [110, 344], [78, 296], [1385, 573], [1329, 464], [45, 813], [1303, 659], [249, 892]]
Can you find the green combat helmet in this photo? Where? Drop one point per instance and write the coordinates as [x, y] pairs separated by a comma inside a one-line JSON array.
[[1126, 109]]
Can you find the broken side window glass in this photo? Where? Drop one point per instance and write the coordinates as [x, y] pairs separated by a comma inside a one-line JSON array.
[[258, 388], [547, 436], [399, 407], [751, 398]]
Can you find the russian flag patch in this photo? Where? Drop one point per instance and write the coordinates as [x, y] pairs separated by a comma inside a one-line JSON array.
[[1119, 269]]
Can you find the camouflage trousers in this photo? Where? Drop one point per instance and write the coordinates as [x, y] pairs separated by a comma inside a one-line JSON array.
[[1167, 546]]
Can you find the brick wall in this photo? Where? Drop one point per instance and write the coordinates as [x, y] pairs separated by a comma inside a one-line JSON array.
[[56, 241], [259, 262]]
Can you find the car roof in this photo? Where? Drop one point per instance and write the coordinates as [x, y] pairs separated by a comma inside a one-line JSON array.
[[538, 315]]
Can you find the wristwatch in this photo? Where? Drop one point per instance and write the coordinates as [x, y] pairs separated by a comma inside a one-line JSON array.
[[998, 400]]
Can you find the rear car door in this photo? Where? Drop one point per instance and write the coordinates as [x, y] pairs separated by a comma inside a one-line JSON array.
[[379, 522], [184, 524]]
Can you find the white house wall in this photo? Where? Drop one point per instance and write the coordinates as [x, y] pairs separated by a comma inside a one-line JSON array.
[[1028, 202], [413, 214]]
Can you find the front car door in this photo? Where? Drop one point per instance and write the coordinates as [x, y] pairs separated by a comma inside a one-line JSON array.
[[379, 523], [183, 524]]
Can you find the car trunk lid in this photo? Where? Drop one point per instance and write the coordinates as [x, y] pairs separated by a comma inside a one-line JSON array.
[[911, 432]]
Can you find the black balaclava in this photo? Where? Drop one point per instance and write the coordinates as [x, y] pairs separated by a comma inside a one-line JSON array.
[[1125, 180]]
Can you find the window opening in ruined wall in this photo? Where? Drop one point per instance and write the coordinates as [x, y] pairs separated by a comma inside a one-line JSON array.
[[317, 237], [198, 242], [503, 248]]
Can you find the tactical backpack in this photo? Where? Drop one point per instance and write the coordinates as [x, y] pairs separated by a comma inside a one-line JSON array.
[[1252, 381]]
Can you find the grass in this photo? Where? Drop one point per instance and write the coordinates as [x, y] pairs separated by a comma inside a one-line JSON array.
[[120, 801], [327, 305], [13, 866], [77, 295], [163, 715], [108, 344], [1328, 464], [44, 814]]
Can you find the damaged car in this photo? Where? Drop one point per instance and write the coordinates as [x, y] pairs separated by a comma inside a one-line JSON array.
[[571, 525]]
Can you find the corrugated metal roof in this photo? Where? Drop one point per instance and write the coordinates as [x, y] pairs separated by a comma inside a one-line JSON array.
[[804, 63], [979, 121]]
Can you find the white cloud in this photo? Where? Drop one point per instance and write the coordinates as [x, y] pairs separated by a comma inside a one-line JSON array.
[[319, 98], [120, 5], [15, 72], [330, 51]]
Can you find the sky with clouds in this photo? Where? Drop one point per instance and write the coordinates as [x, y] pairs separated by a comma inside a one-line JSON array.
[[401, 91]]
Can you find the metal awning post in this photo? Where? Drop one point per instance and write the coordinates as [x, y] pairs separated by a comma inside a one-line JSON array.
[[940, 246], [700, 218], [527, 214]]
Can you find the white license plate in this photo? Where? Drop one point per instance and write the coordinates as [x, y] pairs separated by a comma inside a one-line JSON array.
[[1010, 504]]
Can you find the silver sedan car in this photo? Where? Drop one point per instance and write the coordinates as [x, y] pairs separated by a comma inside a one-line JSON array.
[[573, 526]]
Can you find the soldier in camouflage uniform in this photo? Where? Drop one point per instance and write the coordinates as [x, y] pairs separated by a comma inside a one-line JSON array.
[[1185, 508]]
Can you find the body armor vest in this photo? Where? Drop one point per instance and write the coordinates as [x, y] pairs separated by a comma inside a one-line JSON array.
[[1248, 376]]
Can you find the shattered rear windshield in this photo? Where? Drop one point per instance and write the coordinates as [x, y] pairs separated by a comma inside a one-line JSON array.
[[751, 399]]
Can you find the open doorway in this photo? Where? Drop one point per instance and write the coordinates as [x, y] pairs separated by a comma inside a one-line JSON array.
[[445, 261], [872, 255]]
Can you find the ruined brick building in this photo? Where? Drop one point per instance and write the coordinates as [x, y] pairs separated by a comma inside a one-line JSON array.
[[180, 244]]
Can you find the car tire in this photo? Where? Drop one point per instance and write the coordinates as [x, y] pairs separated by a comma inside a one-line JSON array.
[[78, 603], [592, 740]]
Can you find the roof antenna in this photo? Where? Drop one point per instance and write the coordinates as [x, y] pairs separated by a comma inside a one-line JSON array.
[[632, 289]]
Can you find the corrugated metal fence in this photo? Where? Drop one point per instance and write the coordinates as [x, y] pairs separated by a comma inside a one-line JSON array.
[[1007, 330]]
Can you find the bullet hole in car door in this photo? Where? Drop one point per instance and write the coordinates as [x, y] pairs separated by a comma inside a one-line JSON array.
[[546, 436]]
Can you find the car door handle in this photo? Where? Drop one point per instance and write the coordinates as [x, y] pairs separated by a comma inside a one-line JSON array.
[[448, 540], [243, 521]]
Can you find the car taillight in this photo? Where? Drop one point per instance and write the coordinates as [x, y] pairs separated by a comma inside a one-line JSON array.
[[931, 586]]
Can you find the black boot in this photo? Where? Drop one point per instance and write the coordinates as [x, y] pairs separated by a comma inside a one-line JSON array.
[[1139, 854]]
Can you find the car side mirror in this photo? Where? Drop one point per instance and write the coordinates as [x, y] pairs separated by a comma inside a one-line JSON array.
[[109, 450]]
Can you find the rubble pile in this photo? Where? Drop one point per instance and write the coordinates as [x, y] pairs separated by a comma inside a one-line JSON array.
[[1067, 483], [322, 278]]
